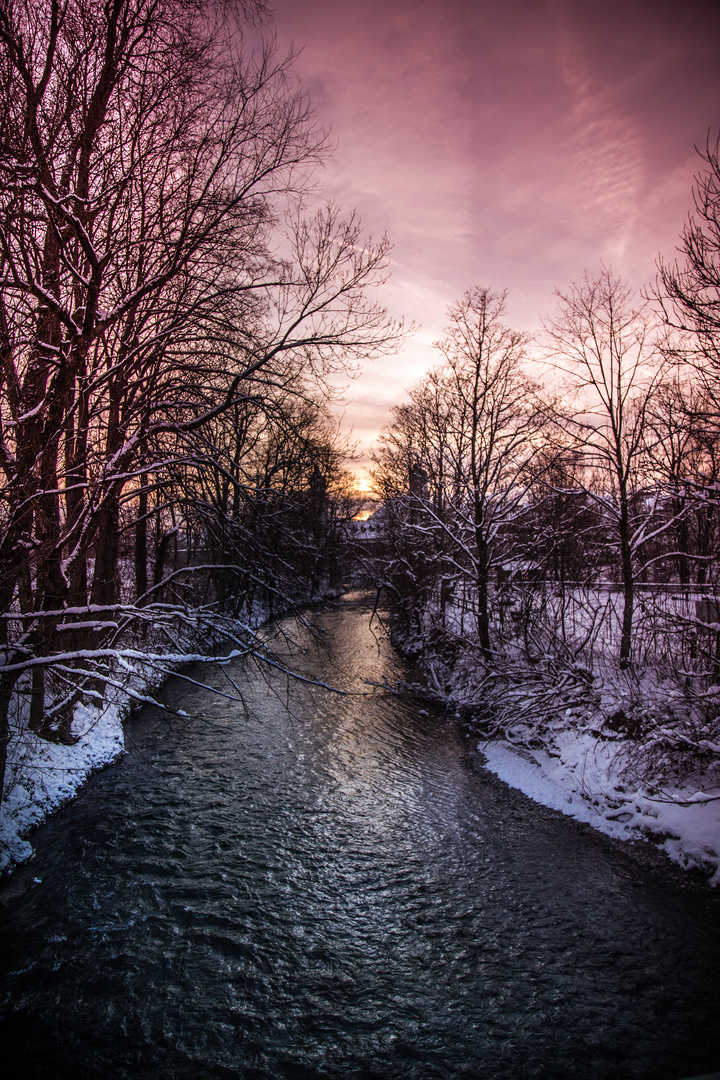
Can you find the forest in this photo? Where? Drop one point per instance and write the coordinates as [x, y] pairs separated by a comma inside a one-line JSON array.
[[550, 513], [174, 298]]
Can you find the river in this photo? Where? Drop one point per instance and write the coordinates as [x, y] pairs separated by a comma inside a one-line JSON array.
[[294, 883]]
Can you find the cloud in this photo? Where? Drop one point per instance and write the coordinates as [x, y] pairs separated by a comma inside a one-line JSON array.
[[511, 145]]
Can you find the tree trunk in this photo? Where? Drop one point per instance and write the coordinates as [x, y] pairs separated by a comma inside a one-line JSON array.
[[105, 589], [682, 541], [7, 685], [628, 582], [37, 700], [75, 498], [141, 577], [483, 604]]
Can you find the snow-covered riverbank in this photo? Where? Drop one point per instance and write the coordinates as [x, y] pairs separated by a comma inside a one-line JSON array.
[[567, 767], [42, 776], [582, 777], [634, 753]]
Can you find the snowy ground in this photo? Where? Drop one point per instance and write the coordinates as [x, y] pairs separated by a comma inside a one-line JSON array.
[[591, 740], [583, 777], [42, 776]]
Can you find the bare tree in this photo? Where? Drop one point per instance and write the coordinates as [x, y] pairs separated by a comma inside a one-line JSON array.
[[471, 434], [602, 342], [688, 291], [498, 422], [148, 157]]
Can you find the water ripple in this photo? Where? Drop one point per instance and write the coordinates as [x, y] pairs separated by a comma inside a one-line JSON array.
[[332, 891]]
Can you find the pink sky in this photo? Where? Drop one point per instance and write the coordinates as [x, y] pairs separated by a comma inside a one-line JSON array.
[[510, 144]]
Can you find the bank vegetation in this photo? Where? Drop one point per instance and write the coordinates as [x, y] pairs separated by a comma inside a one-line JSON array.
[[550, 517], [174, 300]]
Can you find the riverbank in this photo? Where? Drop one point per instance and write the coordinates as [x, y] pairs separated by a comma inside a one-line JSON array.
[[584, 778], [42, 776], [606, 748], [568, 760]]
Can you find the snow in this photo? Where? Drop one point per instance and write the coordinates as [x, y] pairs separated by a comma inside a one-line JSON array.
[[584, 778], [632, 752], [42, 776], [576, 772]]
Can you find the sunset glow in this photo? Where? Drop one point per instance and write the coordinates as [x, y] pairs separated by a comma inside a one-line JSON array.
[[360, 511], [510, 146]]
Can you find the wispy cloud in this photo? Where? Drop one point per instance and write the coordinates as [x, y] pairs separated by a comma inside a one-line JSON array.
[[508, 145]]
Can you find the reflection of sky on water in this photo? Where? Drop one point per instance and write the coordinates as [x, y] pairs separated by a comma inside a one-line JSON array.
[[332, 892]]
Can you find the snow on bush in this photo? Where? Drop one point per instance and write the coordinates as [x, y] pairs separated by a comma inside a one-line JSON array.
[[634, 753]]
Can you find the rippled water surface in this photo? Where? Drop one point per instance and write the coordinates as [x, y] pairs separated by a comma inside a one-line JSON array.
[[333, 890]]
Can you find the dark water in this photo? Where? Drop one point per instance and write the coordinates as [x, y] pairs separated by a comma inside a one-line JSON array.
[[336, 891]]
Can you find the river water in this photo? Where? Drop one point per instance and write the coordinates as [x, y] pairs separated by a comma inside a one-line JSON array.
[[312, 885]]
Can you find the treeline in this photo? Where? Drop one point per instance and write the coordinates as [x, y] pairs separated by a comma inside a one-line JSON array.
[[537, 528], [170, 312]]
